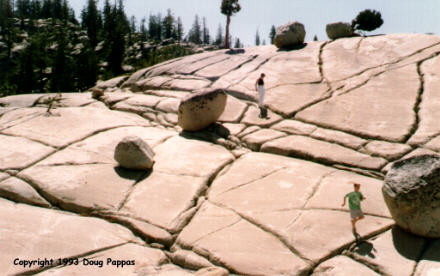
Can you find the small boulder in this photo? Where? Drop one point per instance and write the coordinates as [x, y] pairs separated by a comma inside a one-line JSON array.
[[97, 93], [289, 35], [412, 194], [338, 30], [133, 153], [201, 109]]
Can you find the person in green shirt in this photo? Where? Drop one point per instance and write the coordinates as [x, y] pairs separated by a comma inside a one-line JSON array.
[[354, 203]]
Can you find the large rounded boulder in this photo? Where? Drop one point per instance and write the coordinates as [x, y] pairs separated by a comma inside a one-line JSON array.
[[133, 153], [412, 194], [290, 35], [338, 30], [201, 109]]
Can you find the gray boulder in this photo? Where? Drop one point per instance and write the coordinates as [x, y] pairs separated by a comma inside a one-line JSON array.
[[290, 34], [412, 194], [201, 109], [338, 30], [133, 153]]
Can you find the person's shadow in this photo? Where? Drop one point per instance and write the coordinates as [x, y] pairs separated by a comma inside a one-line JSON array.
[[364, 248]]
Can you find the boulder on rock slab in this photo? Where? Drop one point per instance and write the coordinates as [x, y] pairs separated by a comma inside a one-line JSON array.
[[338, 29], [412, 194], [133, 153], [289, 35], [201, 109]]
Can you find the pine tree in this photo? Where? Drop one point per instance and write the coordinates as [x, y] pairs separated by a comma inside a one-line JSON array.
[[179, 29], [228, 8], [57, 9], [155, 27], [273, 32], [219, 39], [237, 43], [205, 32], [195, 34], [116, 39], [168, 26], [90, 21], [257, 38], [86, 68], [60, 77], [46, 10], [7, 25], [132, 24], [143, 30]]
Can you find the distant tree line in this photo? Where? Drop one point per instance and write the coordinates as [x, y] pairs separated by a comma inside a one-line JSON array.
[[43, 47]]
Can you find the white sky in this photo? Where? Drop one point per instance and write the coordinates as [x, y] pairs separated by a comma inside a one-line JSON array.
[[400, 16]]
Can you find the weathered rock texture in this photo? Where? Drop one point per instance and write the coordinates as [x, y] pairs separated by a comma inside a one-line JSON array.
[[289, 35], [338, 30], [133, 153], [250, 195], [201, 109], [412, 193]]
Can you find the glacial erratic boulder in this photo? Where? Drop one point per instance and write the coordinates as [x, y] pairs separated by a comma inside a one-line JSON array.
[[290, 35], [201, 109], [412, 194], [339, 29], [133, 153]]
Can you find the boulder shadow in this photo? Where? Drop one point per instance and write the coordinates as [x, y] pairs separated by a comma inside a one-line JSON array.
[[235, 51], [213, 131], [135, 175], [404, 243], [292, 48]]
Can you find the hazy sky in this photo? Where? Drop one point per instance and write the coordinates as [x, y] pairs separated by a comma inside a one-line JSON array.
[[400, 16]]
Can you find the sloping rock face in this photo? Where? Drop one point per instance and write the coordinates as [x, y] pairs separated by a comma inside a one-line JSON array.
[[253, 196]]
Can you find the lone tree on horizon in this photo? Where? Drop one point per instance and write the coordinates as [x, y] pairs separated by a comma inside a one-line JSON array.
[[228, 8], [367, 20]]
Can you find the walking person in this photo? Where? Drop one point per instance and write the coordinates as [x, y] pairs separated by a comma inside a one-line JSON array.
[[354, 203], [259, 86]]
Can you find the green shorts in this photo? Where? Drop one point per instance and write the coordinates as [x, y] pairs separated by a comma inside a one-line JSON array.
[[354, 214]]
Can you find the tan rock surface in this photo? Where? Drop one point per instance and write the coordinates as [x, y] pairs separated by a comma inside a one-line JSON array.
[[301, 146], [360, 112], [233, 111], [288, 99], [342, 265], [334, 186], [395, 252], [132, 259], [295, 127], [315, 241], [19, 153], [83, 187], [429, 107], [47, 128], [338, 137], [29, 233], [99, 148], [162, 198], [387, 150], [19, 191], [257, 252], [251, 118], [256, 139], [180, 156]]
